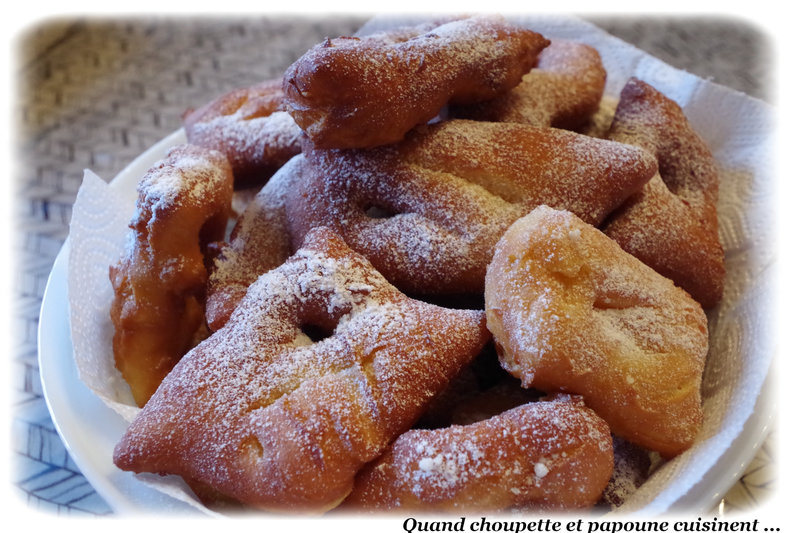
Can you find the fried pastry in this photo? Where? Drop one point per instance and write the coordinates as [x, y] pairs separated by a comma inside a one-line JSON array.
[[319, 368], [671, 224], [251, 127], [571, 311], [564, 90], [258, 243], [159, 283], [354, 92], [427, 212], [552, 455]]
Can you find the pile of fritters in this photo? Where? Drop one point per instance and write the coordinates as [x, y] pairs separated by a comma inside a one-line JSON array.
[[442, 293]]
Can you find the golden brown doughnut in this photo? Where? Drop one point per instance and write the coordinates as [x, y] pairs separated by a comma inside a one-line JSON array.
[[564, 90], [671, 225], [159, 283], [428, 211], [319, 368], [571, 311], [543, 455], [259, 242], [354, 92], [251, 127]]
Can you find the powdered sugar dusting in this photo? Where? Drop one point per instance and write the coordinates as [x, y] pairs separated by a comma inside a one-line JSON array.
[[572, 311], [563, 90], [250, 127], [365, 92], [451, 190], [266, 142], [185, 176], [631, 468], [160, 278], [672, 224], [529, 456], [259, 242]]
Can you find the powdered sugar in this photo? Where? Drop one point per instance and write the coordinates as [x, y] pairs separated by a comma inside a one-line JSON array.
[[259, 242], [384, 87], [525, 456], [250, 128], [580, 315], [540, 469], [564, 90], [260, 140], [185, 176], [671, 225], [452, 189]]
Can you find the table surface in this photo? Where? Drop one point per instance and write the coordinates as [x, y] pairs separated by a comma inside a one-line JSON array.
[[95, 93]]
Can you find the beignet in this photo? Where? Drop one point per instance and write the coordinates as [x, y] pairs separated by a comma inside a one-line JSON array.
[[671, 224], [319, 368], [563, 90], [160, 282], [251, 127], [552, 455], [355, 92], [258, 243], [428, 211], [571, 311]]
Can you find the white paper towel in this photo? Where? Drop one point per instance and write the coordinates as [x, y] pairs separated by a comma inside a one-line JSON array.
[[737, 128]]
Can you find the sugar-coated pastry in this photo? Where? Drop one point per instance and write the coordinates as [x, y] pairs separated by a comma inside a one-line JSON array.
[[251, 127], [564, 90], [159, 283], [354, 92], [671, 225], [259, 242], [571, 311], [319, 368], [553, 455], [428, 211]]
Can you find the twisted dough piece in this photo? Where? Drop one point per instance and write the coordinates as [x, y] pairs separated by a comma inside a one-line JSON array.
[[428, 211], [159, 284], [259, 242], [671, 224], [262, 412], [365, 92], [249, 126], [571, 311], [546, 455], [563, 90]]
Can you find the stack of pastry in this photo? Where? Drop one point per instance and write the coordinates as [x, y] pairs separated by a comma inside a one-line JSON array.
[[446, 297]]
